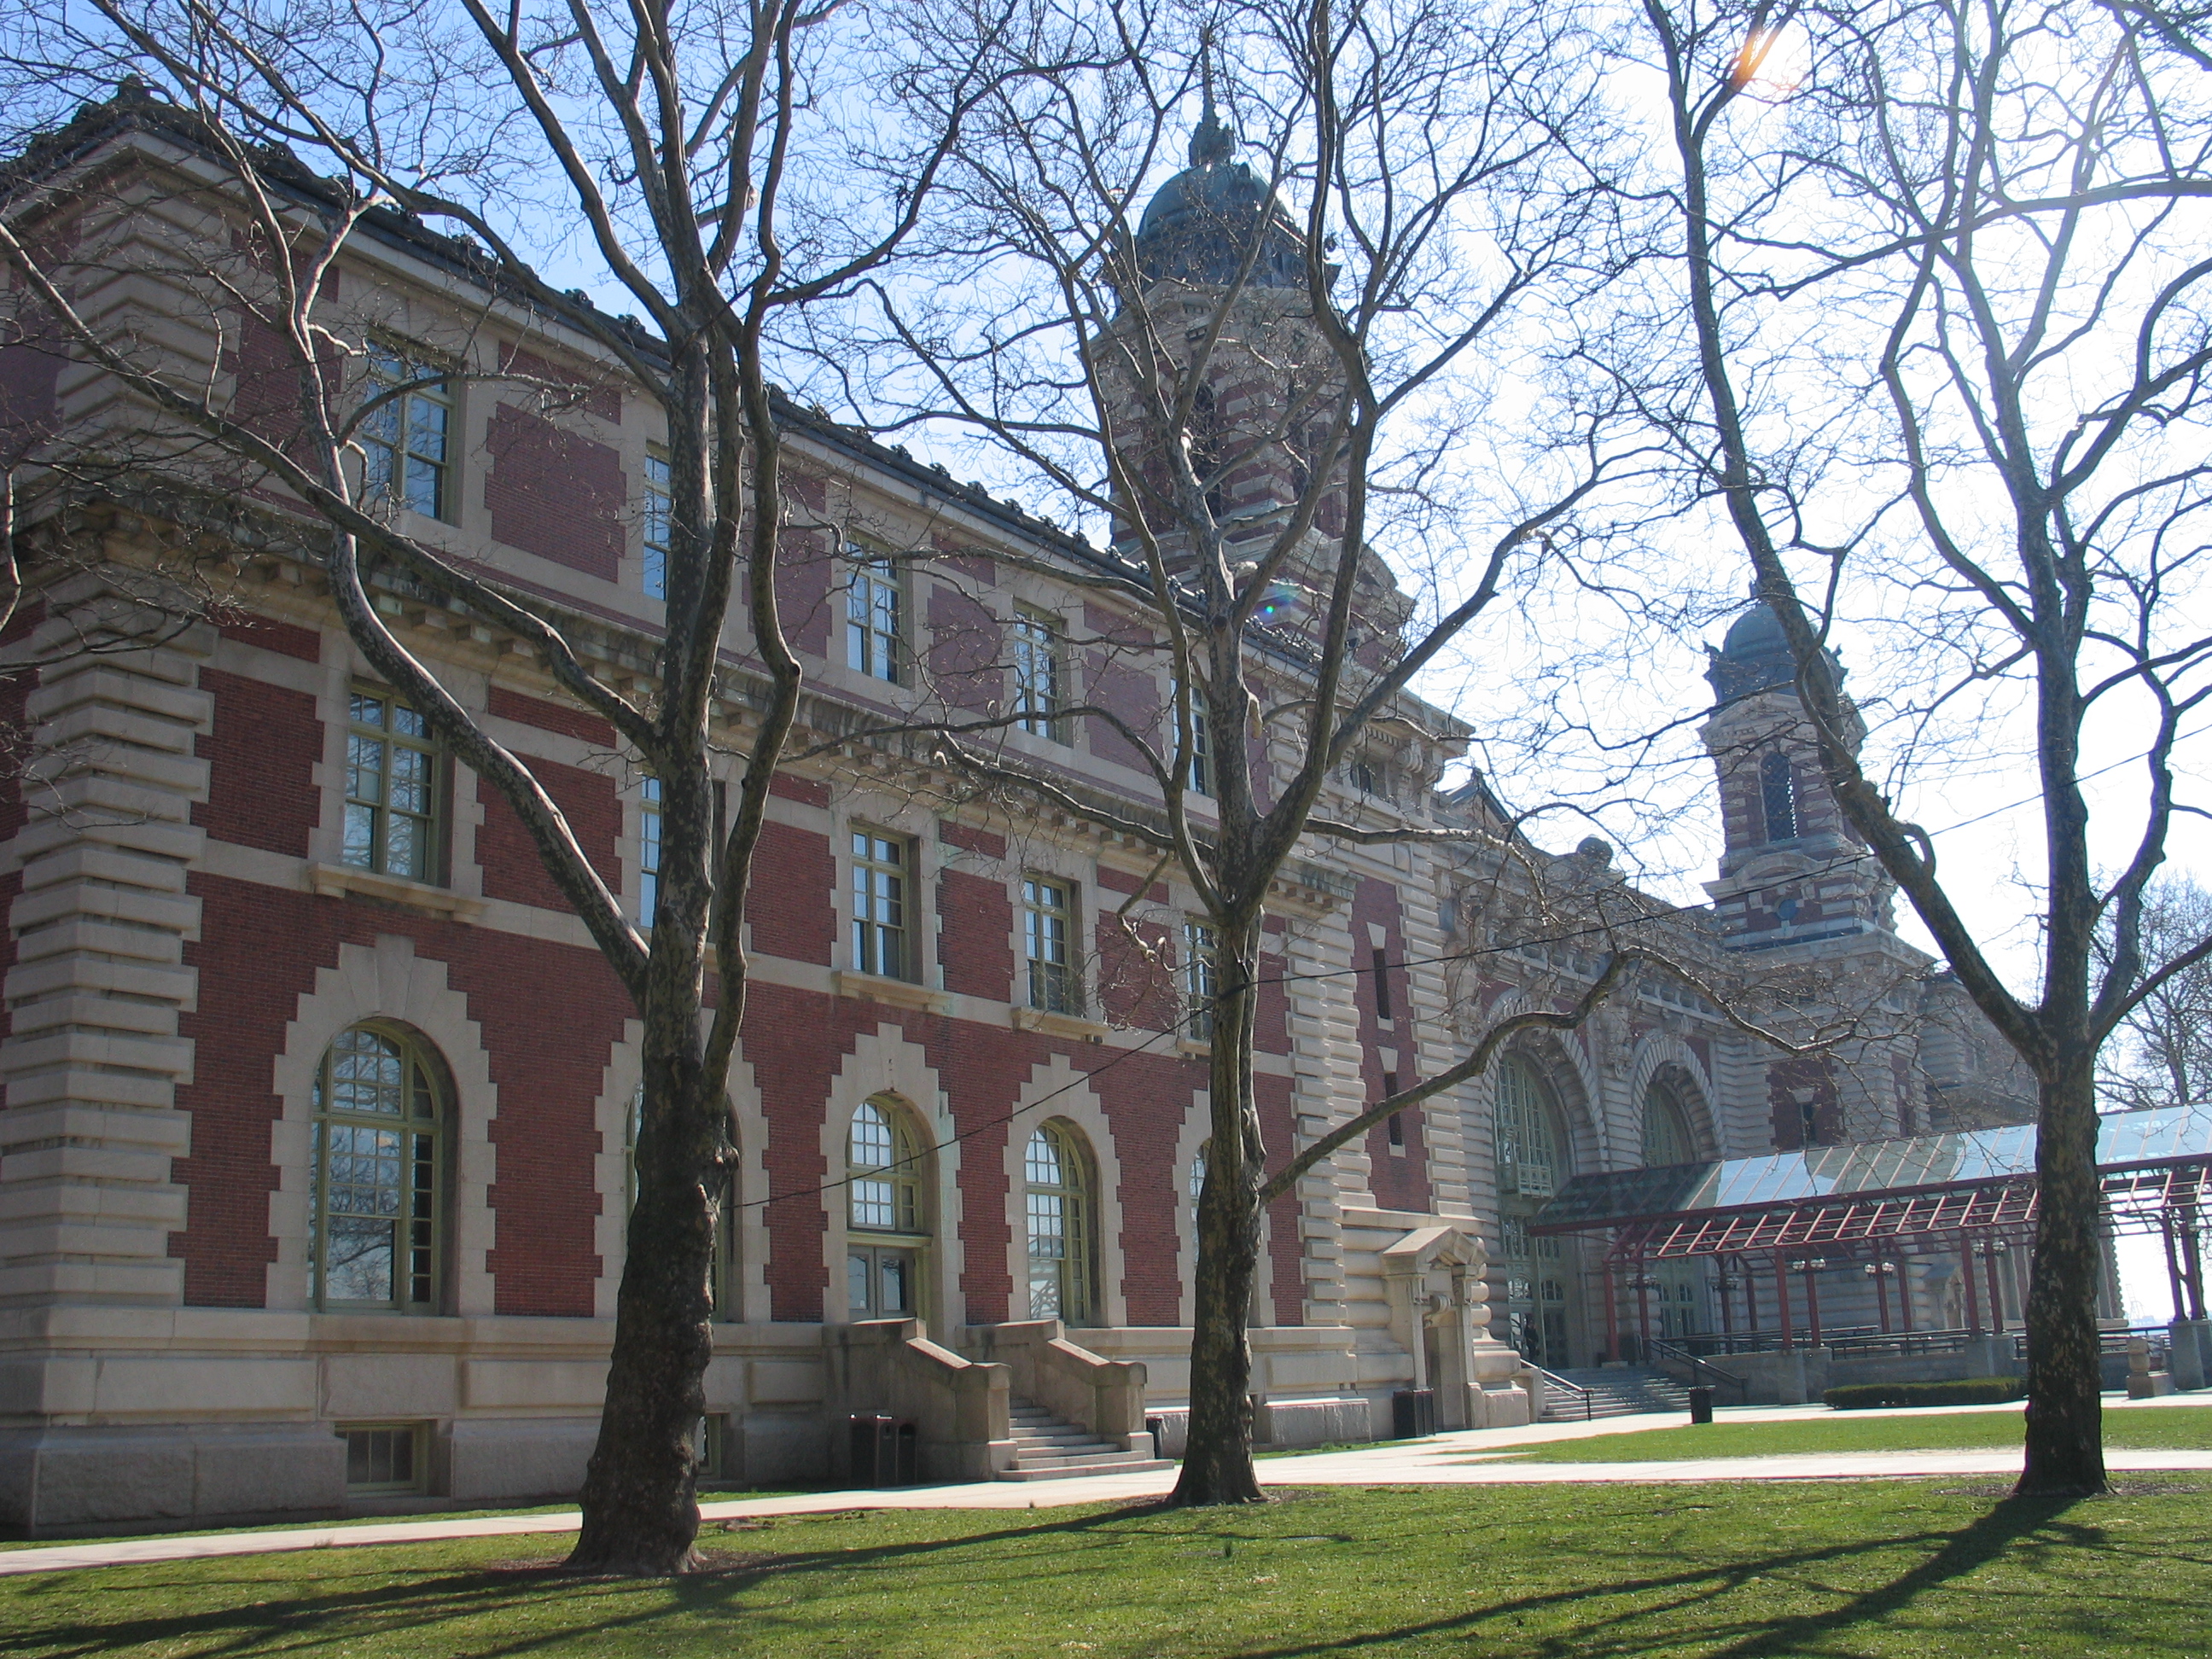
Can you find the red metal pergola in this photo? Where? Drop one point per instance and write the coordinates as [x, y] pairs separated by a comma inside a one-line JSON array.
[[1981, 1219]]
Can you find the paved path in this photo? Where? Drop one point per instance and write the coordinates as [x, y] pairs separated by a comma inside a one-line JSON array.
[[1460, 1459]]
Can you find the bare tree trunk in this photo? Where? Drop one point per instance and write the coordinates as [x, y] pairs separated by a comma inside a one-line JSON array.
[[1216, 1463], [2065, 1416], [639, 1498]]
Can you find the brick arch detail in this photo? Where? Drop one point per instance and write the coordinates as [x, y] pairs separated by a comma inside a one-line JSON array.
[[1663, 1051], [387, 982]]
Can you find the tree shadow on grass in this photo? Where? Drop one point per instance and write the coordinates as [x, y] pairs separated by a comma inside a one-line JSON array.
[[1665, 1605], [423, 1601]]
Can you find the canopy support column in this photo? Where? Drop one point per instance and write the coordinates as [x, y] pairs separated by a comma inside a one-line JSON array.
[[1973, 1296], [1781, 1298]]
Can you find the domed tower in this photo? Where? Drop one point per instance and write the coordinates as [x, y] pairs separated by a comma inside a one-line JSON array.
[[1260, 411], [1792, 870]]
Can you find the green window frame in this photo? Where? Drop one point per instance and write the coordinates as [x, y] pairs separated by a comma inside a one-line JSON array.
[[1201, 977], [660, 511], [1057, 1191], [1049, 945], [406, 441], [881, 925], [377, 1207], [394, 788], [875, 617], [1039, 671]]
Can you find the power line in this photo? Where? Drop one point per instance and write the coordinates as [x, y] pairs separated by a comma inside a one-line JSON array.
[[1665, 914]]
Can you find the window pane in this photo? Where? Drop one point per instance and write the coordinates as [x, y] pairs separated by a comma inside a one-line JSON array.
[[897, 1297], [858, 1277]]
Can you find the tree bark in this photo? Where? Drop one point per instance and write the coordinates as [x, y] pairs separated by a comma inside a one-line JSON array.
[[2065, 1415], [640, 1495], [1216, 1464]]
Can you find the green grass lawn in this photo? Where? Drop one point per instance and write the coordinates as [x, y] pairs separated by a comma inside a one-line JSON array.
[[1874, 1569], [2179, 1426]]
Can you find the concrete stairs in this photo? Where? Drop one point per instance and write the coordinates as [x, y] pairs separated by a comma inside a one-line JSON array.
[[1046, 1449], [1616, 1391]]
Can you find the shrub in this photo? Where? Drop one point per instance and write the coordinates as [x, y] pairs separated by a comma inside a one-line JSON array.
[[1966, 1391]]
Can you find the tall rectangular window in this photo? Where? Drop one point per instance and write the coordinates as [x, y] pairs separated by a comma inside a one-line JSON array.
[[1381, 962], [1048, 943], [648, 850], [1201, 977], [879, 919], [660, 508], [1396, 1120], [1037, 697], [391, 789], [1200, 780], [404, 440], [873, 618]]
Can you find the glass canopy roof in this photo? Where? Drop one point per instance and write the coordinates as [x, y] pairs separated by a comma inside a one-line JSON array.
[[2125, 1140]]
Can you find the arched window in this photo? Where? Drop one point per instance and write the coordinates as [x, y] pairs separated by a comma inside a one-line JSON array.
[[1777, 794], [1056, 1171], [378, 1174], [886, 1215], [1535, 1283], [1528, 1139], [1667, 1138]]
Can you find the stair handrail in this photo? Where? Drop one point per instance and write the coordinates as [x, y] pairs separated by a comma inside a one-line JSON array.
[[1553, 1380], [1700, 1367]]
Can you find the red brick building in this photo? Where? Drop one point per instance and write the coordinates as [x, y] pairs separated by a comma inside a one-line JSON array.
[[313, 1166]]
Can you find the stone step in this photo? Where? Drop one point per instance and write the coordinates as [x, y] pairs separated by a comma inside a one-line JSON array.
[[1127, 1463]]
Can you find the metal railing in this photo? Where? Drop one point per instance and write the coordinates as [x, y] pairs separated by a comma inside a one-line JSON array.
[[1904, 1342], [1574, 1393], [1703, 1373]]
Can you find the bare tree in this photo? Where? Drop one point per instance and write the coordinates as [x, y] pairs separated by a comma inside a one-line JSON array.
[[725, 169], [2162, 1055], [1248, 387], [1938, 356]]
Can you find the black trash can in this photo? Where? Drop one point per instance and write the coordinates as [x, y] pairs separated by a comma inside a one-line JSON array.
[[875, 1445], [1413, 1413], [1701, 1405]]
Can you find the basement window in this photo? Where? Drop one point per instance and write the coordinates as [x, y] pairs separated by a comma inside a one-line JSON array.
[[384, 1460]]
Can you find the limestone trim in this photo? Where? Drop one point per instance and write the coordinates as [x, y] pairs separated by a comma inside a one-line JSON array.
[[387, 982], [342, 880], [87, 1198]]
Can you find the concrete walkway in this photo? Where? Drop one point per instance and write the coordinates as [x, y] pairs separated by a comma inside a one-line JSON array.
[[1461, 1459]]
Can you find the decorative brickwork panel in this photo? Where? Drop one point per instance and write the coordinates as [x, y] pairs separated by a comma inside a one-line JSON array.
[[969, 839], [511, 867], [549, 1015], [261, 762], [974, 941], [1400, 1176], [30, 377], [269, 634], [554, 494], [805, 791], [570, 722], [966, 663], [1147, 1097], [1286, 1247], [1137, 981], [1802, 1093], [594, 393], [789, 902]]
